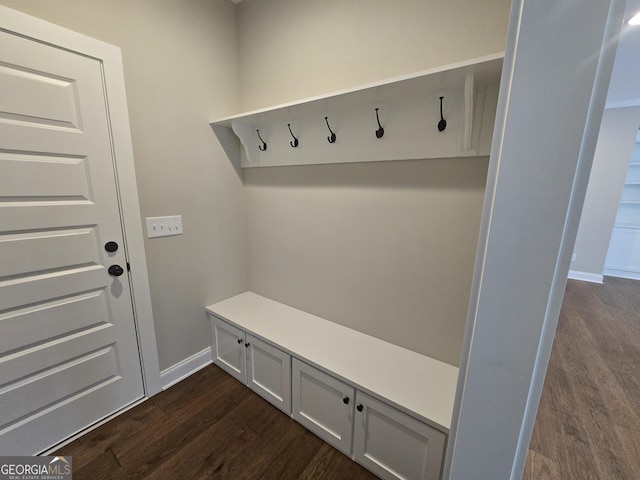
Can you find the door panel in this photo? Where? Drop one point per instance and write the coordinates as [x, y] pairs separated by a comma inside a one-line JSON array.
[[269, 373], [29, 291], [318, 404], [52, 319], [394, 445], [54, 353], [68, 346], [76, 375], [31, 177], [229, 352], [28, 87], [45, 250]]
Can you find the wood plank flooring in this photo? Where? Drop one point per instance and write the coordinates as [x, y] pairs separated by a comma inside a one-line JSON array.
[[588, 421], [207, 426], [211, 426]]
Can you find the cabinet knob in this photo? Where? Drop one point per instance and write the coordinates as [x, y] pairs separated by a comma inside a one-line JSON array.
[[239, 340], [247, 345], [359, 407], [345, 400]]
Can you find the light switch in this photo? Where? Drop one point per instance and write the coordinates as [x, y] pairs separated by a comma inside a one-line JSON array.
[[164, 226]]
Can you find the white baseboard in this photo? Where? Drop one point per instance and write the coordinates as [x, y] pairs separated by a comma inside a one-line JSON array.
[[615, 272], [186, 367], [585, 276]]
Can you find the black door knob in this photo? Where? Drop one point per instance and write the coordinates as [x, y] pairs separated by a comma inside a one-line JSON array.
[[111, 247], [345, 400], [115, 270], [359, 407], [239, 340]]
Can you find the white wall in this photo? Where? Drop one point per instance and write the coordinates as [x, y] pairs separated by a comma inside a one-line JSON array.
[[181, 71], [616, 141], [292, 49], [385, 248]]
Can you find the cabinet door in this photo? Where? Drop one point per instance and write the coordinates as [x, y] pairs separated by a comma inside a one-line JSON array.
[[323, 404], [269, 373], [228, 349], [394, 445]]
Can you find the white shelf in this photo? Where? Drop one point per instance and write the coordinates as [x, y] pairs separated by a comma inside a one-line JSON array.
[[419, 385], [409, 109]]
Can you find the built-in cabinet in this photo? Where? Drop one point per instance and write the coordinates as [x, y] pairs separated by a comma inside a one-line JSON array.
[[262, 367], [415, 450], [388, 442], [323, 404], [629, 210], [386, 407], [623, 257]]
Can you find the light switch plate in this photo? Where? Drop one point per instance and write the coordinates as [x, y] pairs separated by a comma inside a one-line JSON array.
[[164, 226]]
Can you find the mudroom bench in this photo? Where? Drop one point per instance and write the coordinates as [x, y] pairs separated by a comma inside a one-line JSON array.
[[386, 407]]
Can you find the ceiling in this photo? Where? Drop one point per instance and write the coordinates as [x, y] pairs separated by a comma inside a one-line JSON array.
[[624, 88]]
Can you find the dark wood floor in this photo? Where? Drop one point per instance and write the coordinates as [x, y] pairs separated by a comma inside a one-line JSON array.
[[210, 426], [588, 422], [207, 426]]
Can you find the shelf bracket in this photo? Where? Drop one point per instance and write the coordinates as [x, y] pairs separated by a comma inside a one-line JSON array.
[[467, 121], [247, 136]]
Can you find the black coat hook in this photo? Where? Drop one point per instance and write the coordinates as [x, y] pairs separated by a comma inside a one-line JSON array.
[[380, 131], [442, 124], [262, 147], [332, 137], [294, 144]]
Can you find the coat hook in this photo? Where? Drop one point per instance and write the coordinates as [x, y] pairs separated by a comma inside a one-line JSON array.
[[380, 131], [331, 138], [262, 147], [294, 144], [442, 124]]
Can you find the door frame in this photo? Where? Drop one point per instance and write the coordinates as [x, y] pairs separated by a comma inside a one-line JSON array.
[[538, 174], [110, 58]]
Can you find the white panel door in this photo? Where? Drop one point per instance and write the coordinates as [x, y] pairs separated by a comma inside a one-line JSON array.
[[323, 404], [269, 373], [229, 351], [68, 347], [394, 445]]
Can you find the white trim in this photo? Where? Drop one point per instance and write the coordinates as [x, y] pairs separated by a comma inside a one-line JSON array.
[[616, 272], [585, 276], [632, 102], [132, 225], [520, 274], [181, 370], [52, 34], [111, 58]]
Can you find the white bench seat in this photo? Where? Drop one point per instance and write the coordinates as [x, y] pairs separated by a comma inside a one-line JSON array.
[[419, 385]]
